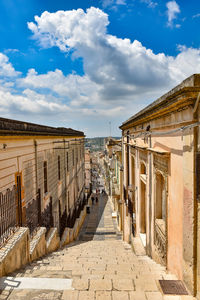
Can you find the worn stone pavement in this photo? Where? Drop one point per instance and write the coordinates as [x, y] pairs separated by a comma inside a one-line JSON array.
[[99, 266]]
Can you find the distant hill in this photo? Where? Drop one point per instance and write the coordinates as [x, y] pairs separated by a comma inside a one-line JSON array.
[[96, 143]]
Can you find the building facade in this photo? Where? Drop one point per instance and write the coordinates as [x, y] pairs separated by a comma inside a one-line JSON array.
[[41, 175], [161, 184], [88, 173], [112, 162]]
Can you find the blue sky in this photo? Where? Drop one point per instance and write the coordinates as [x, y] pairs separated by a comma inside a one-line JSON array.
[[83, 64]]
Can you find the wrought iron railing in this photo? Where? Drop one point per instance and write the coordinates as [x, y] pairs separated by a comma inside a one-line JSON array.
[[33, 218], [46, 218], [33, 214], [75, 213], [8, 214], [63, 222]]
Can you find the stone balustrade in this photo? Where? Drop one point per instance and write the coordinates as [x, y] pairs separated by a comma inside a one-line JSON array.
[[160, 239]]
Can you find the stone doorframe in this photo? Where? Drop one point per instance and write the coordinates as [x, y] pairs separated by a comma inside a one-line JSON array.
[[143, 196], [160, 238], [132, 194]]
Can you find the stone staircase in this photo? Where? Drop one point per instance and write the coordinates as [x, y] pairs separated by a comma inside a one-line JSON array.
[[96, 269]]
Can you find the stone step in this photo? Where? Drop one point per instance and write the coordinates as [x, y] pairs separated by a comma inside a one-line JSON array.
[[98, 269]]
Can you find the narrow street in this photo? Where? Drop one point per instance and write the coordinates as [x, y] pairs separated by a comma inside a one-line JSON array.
[[99, 265]]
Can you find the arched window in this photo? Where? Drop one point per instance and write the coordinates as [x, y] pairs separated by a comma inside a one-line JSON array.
[[142, 168], [160, 197]]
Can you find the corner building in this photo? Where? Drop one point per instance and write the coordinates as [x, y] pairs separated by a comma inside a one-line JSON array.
[[41, 175], [161, 182]]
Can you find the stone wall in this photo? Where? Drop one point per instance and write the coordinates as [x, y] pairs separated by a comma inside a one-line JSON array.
[[52, 240], [15, 252], [38, 244], [24, 159], [20, 250]]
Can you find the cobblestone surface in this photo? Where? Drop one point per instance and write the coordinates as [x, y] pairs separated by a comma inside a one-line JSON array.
[[100, 264]]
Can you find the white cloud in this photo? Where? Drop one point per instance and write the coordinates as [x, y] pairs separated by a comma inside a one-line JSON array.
[[172, 10], [150, 3], [187, 62], [11, 51], [107, 3], [118, 72], [196, 16], [119, 75], [6, 68], [119, 69], [121, 2], [112, 3], [75, 89], [32, 97], [29, 102]]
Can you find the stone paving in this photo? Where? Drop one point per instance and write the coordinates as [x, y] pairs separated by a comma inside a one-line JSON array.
[[99, 264]]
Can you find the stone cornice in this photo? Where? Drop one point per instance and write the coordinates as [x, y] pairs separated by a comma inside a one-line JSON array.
[[179, 97], [13, 128]]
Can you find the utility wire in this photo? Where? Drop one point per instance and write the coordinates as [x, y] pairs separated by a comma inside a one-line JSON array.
[[148, 133]]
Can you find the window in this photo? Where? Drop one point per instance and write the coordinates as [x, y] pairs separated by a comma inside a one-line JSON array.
[[67, 162], [58, 167], [45, 176]]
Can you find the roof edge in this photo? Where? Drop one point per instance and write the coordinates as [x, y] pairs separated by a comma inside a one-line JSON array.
[[9, 126], [192, 81]]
